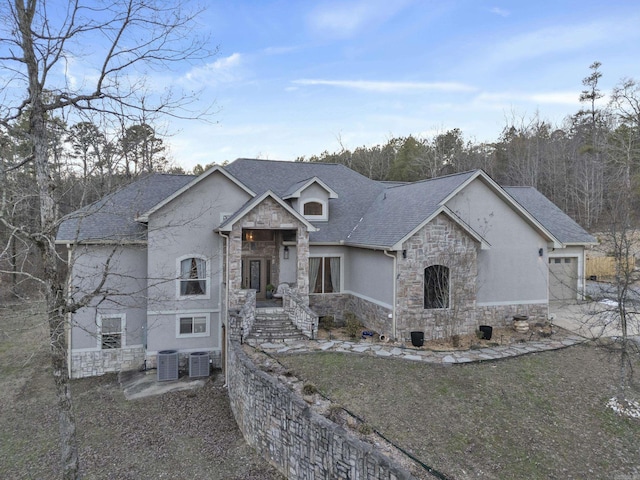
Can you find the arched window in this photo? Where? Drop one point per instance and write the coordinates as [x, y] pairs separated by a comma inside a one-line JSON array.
[[193, 276], [313, 209], [436, 287]]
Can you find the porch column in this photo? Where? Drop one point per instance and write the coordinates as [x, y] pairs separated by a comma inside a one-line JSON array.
[[302, 249], [234, 275]]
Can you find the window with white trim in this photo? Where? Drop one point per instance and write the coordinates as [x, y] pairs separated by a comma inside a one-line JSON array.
[[315, 209], [111, 331], [192, 325], [324, 274], [193, 279]]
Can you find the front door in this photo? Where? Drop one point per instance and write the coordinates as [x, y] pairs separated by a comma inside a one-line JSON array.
[[254, 275]]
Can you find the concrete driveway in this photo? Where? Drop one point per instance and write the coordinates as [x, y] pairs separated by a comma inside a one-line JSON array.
[[592, 319]]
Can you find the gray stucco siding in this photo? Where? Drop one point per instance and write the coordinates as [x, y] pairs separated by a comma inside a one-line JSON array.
[[182, 229], [369, 275], [314, 193], [288, 265], [163, 332], [126, 283], [511, 270]]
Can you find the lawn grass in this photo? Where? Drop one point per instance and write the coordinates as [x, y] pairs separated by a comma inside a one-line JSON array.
[[536, 416]]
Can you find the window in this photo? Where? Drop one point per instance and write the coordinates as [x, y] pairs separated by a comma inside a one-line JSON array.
[[324, 274], [193, 276], [110, 331], [436, 287], [313, 208], [193, 325]]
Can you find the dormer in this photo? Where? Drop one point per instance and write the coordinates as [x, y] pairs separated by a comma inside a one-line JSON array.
[[310, 198]]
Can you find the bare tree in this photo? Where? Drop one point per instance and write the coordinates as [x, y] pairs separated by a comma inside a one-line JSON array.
[[37, 40], [616, 314]]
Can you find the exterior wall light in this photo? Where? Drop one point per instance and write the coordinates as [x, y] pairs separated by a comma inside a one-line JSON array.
[[286, 252]]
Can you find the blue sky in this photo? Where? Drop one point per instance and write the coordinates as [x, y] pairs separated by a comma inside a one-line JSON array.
[[296, 78]]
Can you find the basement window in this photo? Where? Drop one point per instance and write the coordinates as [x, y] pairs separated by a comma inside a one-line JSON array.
[[193, 326], [110, 331]]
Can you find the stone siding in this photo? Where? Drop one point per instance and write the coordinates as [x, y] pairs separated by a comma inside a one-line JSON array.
[[303, 317], [300, 443], [268, 215], [441, 242], [334, 304], [373, 316], [502, 315], [99, 362]]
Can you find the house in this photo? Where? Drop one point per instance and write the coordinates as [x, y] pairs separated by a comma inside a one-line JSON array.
[[165, 259]]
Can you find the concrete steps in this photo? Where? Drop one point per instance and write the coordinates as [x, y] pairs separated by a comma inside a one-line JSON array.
[[272, 325]]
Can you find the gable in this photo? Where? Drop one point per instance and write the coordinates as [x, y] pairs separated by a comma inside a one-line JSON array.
[[491, 187], [205, 178], [355, 192], [559, 223], [494, 214], [267, 211], [208, 200]]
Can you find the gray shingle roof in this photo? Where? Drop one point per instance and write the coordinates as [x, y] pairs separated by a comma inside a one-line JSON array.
[[112, 218], [367, 212], [563, 227], [400, 209], [356, 192]]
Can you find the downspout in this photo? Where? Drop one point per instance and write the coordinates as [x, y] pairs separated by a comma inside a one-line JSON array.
[[393, 312], [69, 315], [226, 309]]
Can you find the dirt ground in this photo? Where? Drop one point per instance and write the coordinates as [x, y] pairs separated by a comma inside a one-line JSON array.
[[499, 336], [176, 435]]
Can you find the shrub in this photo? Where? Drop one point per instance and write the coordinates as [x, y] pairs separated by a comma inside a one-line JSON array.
[[326, 322], [365, 429], [353, 326], [309, 389]]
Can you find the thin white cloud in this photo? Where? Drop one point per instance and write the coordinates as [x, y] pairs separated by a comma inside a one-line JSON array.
[[543, 98], [223, 70], [565, 38], [500, 11], [397, 87], [344, 19]]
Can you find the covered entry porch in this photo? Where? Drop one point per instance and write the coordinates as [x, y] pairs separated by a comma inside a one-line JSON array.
[[267, 244]]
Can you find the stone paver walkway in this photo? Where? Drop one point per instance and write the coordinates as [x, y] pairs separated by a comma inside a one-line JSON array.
[[420, 355]]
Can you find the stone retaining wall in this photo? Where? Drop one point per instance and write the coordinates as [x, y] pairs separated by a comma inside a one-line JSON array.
[[284, 430]]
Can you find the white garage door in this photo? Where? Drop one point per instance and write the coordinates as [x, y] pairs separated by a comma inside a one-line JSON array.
[[563, 278]]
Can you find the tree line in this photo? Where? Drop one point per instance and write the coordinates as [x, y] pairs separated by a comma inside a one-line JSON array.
[[86, 163], [576, 164]]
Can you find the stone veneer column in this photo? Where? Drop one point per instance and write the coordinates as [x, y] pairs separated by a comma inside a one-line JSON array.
[[302, 247], [234, 275], [268, 215]]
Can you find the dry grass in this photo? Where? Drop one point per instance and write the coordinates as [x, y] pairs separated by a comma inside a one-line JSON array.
[[539, 416], [176, 435]]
